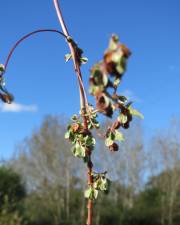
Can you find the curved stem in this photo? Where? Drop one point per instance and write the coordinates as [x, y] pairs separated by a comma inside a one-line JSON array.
[[83, 103], [26, 36], [30, 34]]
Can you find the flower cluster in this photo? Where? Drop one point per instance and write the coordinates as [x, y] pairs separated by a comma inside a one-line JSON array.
[[5, 96]]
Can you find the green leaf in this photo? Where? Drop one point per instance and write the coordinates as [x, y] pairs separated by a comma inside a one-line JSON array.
[[122, 98], [120, 68], [105, 79], [93, 90], [117, 81], [68, 57], [1, 67], [67, 134], [117, 57], [104, 184], [74, 117], [89, 141], [108, 184], [95, 194], [72, 137], [87, 193], [134, 112], [119, 136], [108, 141], [96, 124], [122, 118], [84, 60], [91, 193], [113, 42], [121, 65], [79, 151]]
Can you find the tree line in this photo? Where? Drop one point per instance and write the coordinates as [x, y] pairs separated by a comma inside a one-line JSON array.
[[42, 184]]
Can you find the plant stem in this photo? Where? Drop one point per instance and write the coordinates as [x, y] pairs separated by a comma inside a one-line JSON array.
[[26, 36], [73, 52], [83, 103]]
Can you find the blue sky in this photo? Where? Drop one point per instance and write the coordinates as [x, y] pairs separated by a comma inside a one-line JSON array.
[[43, 83]]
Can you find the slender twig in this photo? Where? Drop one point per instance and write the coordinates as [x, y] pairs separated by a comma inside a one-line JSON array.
[[73, 52], [26, 36], [30, 34], [83, 103]]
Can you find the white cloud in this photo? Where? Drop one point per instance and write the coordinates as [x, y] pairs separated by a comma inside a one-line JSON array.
[[131, 96], [17, 107]]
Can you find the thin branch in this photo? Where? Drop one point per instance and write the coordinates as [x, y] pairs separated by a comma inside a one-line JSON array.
[[73, 53], [25, 37], [83, 103], [35, 32]]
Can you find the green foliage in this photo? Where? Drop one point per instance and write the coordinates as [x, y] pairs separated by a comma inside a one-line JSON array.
[[80, 138], [56, 184], [134, 112], [78, 51], [91, 193], [100, 183], [11, 186], [68, 57], [12, 192], [147, 208], [105, 75], [9, 215], [111, 137]]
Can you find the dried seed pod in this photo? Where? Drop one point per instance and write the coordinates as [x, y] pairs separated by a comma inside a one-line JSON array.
[[109, 64], [126, 125], [6, 98], [104, 105], [114, 147], [125, 50]]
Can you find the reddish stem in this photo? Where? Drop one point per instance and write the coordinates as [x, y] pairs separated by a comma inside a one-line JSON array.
[[83, 102], [26, 36]]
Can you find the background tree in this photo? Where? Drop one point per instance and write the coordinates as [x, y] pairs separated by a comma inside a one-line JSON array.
[[165, 156], [47, 165], [12, 193], [46, 199]]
